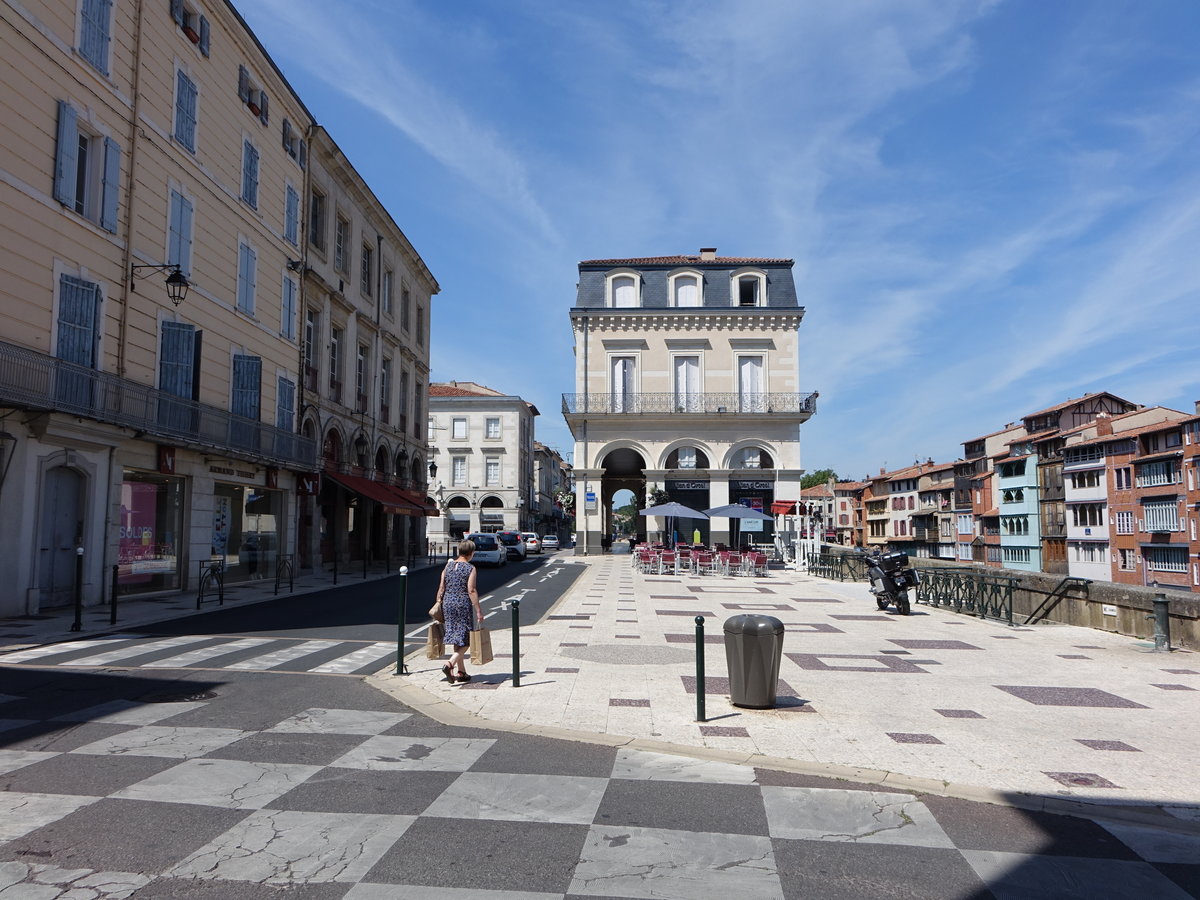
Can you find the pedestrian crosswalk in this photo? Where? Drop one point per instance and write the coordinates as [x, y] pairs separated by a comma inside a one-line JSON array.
[[325, 657]]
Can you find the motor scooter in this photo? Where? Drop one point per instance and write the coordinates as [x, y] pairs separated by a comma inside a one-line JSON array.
[[891, 577]]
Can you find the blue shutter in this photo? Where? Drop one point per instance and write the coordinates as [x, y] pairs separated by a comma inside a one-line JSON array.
[[205, 35], [67, 156], [291, 222], [285, 405], [287, 136], [185, 237], [247, 378], [177, 12], [250, 174], [177, 358], [243, 84], [110, 187], [94, 32], [303, 151], [78, 301], [185, 110], [262, 106], [247, 263]]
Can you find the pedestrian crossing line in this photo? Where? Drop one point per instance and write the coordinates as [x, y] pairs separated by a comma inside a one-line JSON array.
[[132, 652], [53, 649], [194, 656], [287, 654], [356, 660]]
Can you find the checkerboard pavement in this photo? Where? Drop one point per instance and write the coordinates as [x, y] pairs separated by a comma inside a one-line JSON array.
[[241, 788]]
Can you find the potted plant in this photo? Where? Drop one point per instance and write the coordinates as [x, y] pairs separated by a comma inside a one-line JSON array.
[[254, 108], [192, 33]]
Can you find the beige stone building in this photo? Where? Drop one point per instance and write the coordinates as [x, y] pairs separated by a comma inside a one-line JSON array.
[[686, 380], [145, 428], [483, 450], [551, 476]]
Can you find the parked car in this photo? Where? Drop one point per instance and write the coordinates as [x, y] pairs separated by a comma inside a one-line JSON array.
[[514, 542], [533, 543], [549, 541], [488, 550]]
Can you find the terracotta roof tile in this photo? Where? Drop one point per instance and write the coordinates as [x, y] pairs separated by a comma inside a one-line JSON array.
[[461, 389]]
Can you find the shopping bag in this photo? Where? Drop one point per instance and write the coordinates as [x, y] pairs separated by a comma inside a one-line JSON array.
[[433, 643], [481, 646], [437, 613]]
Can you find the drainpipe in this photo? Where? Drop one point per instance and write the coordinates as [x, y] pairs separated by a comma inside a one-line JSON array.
[[587, 459], [127, 255]]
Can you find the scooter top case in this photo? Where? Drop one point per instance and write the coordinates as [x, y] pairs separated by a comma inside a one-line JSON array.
[[891, 562]]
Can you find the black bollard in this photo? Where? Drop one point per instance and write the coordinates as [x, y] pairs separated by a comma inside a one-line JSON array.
[[516, 642], [112, 613], [401, 668], [78, 623], [700, 669]]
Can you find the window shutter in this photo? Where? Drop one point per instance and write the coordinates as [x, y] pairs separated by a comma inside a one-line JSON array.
[[185, 237], [262, 105], [287, 136], [291, 224], [175, 231], [110, 187], [77, 306], [247, 376], [243, 84], [67, 155], [303, 152], [285, 407], [175, 372], [177, 12], [205, 35]]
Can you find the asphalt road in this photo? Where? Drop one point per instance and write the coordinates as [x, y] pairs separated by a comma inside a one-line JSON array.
[[370, 611]]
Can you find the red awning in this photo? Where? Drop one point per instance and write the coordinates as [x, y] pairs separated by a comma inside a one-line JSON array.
[[787, 508], [386, 495], [425, 507]]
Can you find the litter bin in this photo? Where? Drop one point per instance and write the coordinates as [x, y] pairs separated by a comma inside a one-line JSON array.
[[753, 649]]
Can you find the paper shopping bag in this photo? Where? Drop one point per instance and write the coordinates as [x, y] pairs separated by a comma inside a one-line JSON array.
[[433, 643], [481, 646]]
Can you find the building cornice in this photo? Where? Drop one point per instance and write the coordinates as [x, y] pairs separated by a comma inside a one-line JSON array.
[[697, 319]]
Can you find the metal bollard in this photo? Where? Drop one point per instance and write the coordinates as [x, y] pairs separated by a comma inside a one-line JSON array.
[[700, 669], [516, 642], [78, 623], [112, 613], [1162, 622], [401, 667]]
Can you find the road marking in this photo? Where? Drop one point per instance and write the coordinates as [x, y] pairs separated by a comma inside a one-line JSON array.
[[67, 647], [195, 656], [103, 659], [356, 660], [287, 654]]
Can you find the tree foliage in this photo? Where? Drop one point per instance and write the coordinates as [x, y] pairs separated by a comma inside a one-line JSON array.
[[817, 478]]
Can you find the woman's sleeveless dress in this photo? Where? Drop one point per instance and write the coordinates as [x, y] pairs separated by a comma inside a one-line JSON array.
[[456, 603]]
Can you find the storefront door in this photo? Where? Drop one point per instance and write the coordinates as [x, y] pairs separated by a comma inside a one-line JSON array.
[[62, 522]]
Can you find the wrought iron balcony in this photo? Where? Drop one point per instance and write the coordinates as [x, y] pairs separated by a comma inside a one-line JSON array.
[[35, 381], [685, 404]]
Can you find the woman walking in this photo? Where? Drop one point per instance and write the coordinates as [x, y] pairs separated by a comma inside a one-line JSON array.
[[459, 597]]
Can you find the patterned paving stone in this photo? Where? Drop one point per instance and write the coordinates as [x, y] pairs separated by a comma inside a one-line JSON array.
[[1068, 696]]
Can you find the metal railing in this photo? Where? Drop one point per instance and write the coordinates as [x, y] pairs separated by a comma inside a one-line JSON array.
[[986, 596], [695, 404], [838, 566], [35, 381]]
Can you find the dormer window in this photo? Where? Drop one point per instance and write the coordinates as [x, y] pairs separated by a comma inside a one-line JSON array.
[[685, 289], [748, 288], [624, 290]]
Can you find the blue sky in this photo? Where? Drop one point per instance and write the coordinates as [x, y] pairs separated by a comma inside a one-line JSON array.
[[992, 206]]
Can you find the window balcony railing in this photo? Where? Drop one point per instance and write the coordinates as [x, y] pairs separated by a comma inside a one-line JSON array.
[[35, 381], [690, 404], [335, 390]]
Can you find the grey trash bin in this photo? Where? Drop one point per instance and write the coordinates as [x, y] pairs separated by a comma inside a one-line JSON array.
[[753, 649]]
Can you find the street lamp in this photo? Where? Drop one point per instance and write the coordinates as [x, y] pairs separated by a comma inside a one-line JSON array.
[[432, 469], [176, 282]]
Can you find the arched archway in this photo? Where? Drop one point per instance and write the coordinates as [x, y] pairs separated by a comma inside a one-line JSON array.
[[624, 470], [458, 510], [491, 514]]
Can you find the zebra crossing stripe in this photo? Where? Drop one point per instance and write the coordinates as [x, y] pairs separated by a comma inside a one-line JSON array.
[[344, 665], [103, 659], [192, 657], [279, 657], [69, 647]]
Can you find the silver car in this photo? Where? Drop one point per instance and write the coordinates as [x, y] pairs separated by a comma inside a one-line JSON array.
[[549, 541], [533, 544]]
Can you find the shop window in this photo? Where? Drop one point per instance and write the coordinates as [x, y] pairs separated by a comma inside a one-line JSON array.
[[149, 533]]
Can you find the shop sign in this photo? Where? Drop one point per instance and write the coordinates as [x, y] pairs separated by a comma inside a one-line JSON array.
[[687, 485], [230, 471], [308, 484], [752, 485], [166, 460]]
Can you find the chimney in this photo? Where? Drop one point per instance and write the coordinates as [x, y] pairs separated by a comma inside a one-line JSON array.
[[1103, 425], [708, 252], [1198, 406]]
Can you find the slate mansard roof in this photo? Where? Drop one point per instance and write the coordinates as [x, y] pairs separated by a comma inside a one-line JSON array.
[[715, 271]]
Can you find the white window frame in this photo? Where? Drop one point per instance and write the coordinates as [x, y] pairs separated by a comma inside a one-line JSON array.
[[458, 471], [735, 280], [388, 290], [187, 237], [610, 279], [490, 433], [764, 389], [687, 400], [623, 400], [1155, 559], [182, 71], [492, 469], [673, 287], [1161, 515], [1123, 522], [457, 433]]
